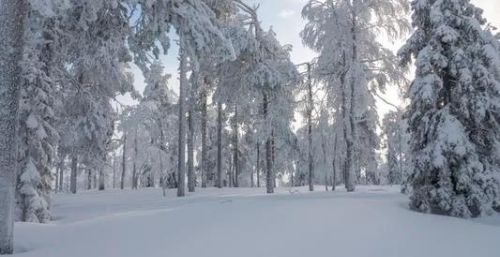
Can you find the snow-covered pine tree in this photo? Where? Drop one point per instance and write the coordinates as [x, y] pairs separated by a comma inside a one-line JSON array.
[[353, 64], [95, 34], [453, 115], [158, 108], [13, 17]]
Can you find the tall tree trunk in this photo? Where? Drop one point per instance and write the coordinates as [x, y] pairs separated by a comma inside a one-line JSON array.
[[219, 145], [102, 179], [56, 181], [181, 164], [74, 173], [94, 179], [163, 174], [134, 163], [204, 160], [353, 167], [13, 15], [190, 149], [61, 173], [346, 122], [229, 177], [258, 165], [334, 168], [114, 169], [252, 180], [236, 149], [89, 179], [273, 154], [323, 148], [190, 141], [269, 152], [309, 128], [124, 162]]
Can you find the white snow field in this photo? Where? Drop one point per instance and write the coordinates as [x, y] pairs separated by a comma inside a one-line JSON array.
[[371, 222]]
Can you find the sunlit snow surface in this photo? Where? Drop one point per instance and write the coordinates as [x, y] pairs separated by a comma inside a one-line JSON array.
[[372, 222]]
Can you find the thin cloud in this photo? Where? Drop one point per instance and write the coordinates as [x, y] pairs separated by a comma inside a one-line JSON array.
[[287, 13]]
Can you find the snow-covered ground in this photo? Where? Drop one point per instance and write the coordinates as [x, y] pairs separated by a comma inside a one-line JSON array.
[[372, 222]]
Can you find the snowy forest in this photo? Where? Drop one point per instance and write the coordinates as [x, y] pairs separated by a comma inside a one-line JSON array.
[[186, 128]]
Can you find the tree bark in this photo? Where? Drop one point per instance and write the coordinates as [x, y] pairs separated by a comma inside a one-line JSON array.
[[56, 182], [353, 140], [181, 164], [347, 124], [258, 165], [236, 149], [114, 169], [61, 173], [334, 168], [134, 163], [124, 162], [190, 149], [309, 128], [204, 149], [219, 145], [190, 141], [74, 173], [89, 179], [269, 152], [102, 179], [13, 15]]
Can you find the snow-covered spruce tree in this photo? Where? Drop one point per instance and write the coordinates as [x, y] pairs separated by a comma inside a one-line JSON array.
[[453, 115], [37, 133], [13, 16], [395, 130], [353, 64]]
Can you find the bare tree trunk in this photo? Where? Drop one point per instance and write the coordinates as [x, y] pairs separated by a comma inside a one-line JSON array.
[[258, 165], [124, 162], [348, 137], [61, 173], [181, 164], [56, 181], [89, 179], [273, 154], [13, 15], [163, 175], [219, 145], [190, 149], [309, 128], [236, 149], [102, 179], [74, 173], [352, 140], [334, 168], [229, 174], [134, 163], [190, 141], [323, 147], [204, 161], [94, 177], [269, 152], [252, 182], [114, 169]]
